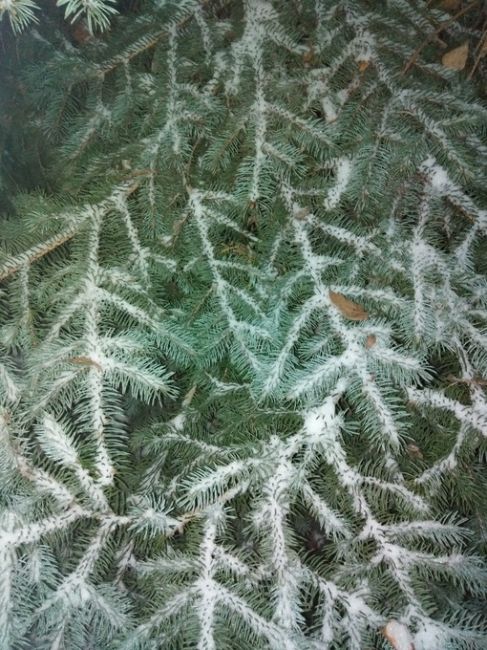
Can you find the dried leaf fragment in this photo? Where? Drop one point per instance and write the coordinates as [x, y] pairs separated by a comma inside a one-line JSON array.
[[86, 361], [451, 5], [309, 56], [301, 213], [414, 451], [457, 58], [189, 396], [370, 341], [363, 65], [239, 249], [398, 635], [347, 307], [81, 34]]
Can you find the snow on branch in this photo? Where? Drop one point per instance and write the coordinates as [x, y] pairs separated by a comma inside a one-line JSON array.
[[243, 331]]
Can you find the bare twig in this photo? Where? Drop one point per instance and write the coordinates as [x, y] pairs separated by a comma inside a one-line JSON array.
[[480, 51]]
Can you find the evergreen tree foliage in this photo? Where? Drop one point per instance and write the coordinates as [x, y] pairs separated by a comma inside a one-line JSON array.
[[97, 13], [243, 328]]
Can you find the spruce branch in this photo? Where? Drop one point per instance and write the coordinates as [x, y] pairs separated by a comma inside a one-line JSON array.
[[434, 35], [75, 219], [227, 412]]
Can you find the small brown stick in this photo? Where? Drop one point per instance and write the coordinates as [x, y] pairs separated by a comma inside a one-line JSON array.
[[481, 51], [435, 35], [475, 381], [38, 252], [460, 209]]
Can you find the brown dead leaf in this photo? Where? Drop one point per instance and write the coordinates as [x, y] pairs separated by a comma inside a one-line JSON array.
[[86, 361], [81, 34], [398, 635], [370, 341], [363, 65], [189, 396], [414, 451], [239, 249], [451, 5], [301, 213], [309, 56], [347, 307], [457, 58]]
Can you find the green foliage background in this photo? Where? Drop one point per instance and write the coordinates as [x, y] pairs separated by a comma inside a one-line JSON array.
[[243, 337]]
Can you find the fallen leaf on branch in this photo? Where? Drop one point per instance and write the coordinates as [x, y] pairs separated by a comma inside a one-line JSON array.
[[309, 56], [370, 341], [189, 396], [301, 213], [86, 361], [451, 5], [414, 451], [363, 65], [347, 307], [81, 34], [398, 635], [457, 58]]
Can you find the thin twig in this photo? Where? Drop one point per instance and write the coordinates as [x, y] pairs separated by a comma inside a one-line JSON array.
[[29, 257], [475, 381], [480, 51]]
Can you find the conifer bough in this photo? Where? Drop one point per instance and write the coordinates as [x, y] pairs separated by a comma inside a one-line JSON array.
[[23, 12], [243, 331]]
